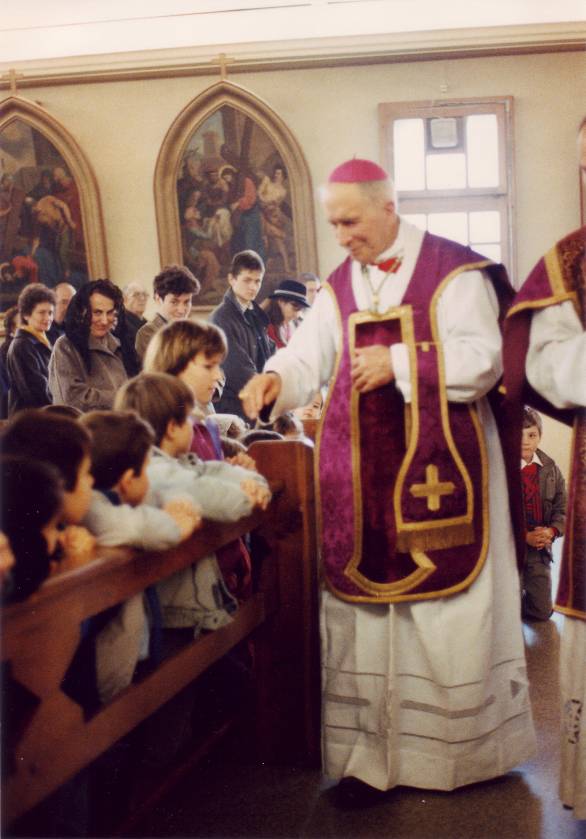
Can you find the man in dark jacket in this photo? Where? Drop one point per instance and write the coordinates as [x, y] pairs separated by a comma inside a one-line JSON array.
[[245, 324]]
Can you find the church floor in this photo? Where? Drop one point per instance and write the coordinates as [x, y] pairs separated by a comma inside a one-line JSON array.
[[225, 797]]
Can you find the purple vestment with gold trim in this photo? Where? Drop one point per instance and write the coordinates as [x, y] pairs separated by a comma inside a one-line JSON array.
[[558, 277], [411, 479]]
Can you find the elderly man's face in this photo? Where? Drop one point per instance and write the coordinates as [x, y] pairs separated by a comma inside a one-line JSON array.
[[63, 297], [136, 300], [365, 228]]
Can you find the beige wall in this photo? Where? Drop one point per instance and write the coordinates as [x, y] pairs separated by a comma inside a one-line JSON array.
[[333, 114]]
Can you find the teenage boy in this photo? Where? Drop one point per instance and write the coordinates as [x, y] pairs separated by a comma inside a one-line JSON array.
[[544, 491], [245, 325], [173, 290]]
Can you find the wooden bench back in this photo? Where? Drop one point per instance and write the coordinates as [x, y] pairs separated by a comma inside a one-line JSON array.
[[41, 635]]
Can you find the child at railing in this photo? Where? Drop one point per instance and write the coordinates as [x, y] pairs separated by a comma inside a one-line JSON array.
[[31, 509], [196, 596], [62, 442], [193, 351], [120, 454]]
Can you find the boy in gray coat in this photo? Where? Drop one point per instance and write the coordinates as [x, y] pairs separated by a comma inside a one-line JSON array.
[[196, 596], [120, 452]]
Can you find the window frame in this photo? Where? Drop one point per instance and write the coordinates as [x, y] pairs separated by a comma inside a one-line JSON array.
[[501, 197]]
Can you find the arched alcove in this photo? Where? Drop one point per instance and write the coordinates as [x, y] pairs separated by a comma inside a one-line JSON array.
[[226, 148], [50, 194]]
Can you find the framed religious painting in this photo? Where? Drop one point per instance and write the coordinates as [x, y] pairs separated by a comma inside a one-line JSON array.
[[231, 177], [50, 221]]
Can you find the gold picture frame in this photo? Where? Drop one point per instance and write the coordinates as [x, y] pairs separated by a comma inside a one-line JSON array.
[[232, 136], [34, 142]]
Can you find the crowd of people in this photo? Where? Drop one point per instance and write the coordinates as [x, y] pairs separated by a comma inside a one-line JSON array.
[[434, 544], [110, 432]]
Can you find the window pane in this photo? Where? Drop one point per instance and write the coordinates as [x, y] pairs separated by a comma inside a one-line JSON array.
[[418, 219], [490, 251], [446, 171], [485, 226], [451, 225], [409, 147], [483, 150], [443, 133]]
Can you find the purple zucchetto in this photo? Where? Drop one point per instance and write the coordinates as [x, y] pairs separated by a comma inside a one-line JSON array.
[[357, 171]]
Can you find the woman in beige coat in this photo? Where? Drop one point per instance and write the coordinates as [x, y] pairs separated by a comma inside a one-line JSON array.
[[86, 367]]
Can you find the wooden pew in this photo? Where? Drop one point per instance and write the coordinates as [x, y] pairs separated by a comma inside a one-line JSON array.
[[40, 636], [310, 427]]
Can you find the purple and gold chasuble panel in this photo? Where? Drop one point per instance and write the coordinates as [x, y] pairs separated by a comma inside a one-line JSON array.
[[402, 488], [558, 277]]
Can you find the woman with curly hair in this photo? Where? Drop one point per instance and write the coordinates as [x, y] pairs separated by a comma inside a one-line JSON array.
[[88, 363]]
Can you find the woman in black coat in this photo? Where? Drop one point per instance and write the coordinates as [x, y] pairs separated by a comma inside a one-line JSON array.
[[29, 353]]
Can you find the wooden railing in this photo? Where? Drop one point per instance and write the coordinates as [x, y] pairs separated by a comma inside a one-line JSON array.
[[41, 635]]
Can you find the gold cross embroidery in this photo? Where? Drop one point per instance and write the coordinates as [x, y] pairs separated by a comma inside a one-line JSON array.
[[433, 488], [223, 61], [12, 76]]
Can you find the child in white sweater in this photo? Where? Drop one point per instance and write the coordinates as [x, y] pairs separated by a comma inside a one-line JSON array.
[[120, 453], [196, 596]]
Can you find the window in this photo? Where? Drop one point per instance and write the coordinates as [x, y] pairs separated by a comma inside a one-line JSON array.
[[452, 167]]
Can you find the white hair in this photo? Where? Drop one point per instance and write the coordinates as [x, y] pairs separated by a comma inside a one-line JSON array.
[[378, 192]]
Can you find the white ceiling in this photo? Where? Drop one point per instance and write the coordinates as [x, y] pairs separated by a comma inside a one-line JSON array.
[[37, 30]]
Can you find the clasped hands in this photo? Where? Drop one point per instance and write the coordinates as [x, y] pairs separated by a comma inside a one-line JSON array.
[[540, 537]]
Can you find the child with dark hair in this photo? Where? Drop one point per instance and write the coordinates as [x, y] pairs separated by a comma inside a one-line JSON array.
[[30, 512], [173, 290], [63, 411], [544, 493], [62, 442], [120, 452], [120, 456], [245, 326], [260, 435], [289, 426], [27, 361], [196, 596], [87, 364]]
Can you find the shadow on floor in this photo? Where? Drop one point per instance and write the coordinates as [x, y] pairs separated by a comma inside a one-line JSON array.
[[227, 797]]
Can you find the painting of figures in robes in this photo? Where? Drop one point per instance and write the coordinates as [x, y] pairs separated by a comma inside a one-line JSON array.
[[41, 229], [233, 194]]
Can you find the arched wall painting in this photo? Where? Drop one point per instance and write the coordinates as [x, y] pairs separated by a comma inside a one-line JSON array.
[[239, 182], [43, 183]]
